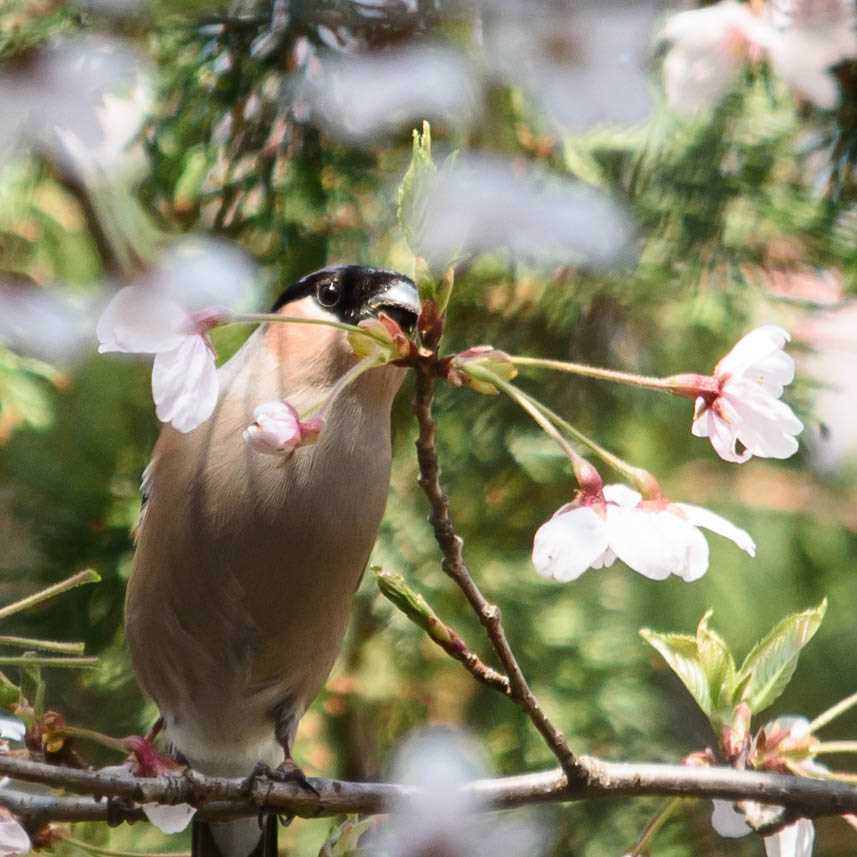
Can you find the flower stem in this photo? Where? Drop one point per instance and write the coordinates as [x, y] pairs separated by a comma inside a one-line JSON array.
[[586, 371], [655, 824], [95, 737], [636, 475], [69, 663], [79, 579], [322, 407], [688, 385], [44, 645], [522, 400], [835, 747], [260, 317], [833, 712]]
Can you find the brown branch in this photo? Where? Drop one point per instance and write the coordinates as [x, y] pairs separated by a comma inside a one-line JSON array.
[[220, 798], [451, 545]]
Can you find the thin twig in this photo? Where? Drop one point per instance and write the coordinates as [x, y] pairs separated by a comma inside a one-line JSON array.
[[422, 614], [220, 798], [451, 546]]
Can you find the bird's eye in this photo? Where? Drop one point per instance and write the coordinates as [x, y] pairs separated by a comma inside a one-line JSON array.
[[328, 294]]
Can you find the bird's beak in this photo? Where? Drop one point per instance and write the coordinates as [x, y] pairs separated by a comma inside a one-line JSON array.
[[398, 298]]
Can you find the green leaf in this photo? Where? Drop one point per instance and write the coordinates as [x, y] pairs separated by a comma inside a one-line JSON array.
[[413, 190], [717, 663], [10, 693], [681, 653], [769, 667]]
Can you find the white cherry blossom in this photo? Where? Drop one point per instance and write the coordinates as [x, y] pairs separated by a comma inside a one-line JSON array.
[[746, 406], [146, 319], [655, 538], [169, 818], [13, 837], [446, 819], [278, 429], [796, 840]]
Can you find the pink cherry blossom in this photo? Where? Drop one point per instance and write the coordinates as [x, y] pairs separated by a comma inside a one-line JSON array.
[[796, 840], [146, 319], [13, 837], [278, 429], [745, 406], [655, 538]]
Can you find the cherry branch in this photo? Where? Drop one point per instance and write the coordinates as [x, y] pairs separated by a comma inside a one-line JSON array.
[[451, 545], [221, 798]]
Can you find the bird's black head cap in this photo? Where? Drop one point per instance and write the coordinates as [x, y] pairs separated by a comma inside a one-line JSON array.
[[355, 292]]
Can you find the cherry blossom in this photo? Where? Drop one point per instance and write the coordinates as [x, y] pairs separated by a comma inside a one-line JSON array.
[[744, 406], [169, 819], [13, 837], [796, 840], [653, 537], [147, 320], [711, 46], [278, 429], [445, 820]]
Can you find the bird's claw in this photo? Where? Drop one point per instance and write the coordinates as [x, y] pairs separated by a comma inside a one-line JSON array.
[[286, 772]]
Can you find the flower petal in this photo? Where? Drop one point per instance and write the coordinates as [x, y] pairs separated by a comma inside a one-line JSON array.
[[727, 822], [169, 819], [184, 384], [141, 320], [276, 430], [13, 837], [718, 424], [657, 543], [566, 545], [751, 349], [700, 517], [796, 840], [12, 728], [622, 495]]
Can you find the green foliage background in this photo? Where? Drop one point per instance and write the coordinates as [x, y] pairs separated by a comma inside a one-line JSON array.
[[73, 444]]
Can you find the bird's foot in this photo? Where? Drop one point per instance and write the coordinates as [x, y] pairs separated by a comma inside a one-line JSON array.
[[286, 772]]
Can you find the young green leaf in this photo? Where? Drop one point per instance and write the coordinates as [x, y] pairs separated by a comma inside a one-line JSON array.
[[413, 190], [769, 667], [681, 653], [717, 663]]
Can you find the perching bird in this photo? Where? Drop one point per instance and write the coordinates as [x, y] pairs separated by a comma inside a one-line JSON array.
[[246, 565]]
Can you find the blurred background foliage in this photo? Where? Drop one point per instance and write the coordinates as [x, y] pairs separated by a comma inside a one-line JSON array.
[[743, 215]]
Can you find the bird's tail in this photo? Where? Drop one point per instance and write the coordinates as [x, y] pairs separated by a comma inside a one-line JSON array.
[[240, 838]]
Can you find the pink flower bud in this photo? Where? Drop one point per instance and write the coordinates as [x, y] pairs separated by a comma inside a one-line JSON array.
[[278, 429]]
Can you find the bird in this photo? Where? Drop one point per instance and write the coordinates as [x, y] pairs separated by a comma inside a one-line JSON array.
[[245, 565]]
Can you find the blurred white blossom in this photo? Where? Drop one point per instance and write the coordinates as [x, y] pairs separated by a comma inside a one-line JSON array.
[[81, 99], [365, 97], [832, 337], [582, 63], [800, 39], [45, 322], [13, 837], [200, 271], [444, 819], [481, 204]]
